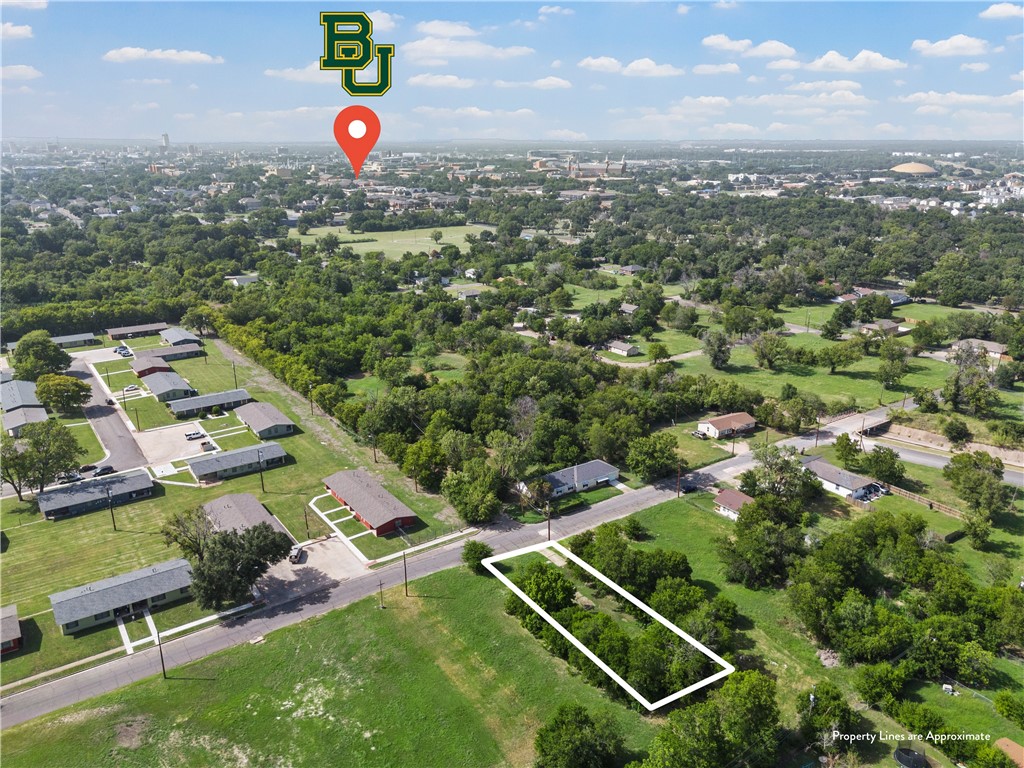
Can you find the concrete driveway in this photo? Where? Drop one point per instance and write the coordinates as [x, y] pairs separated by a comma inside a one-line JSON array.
[[167, 444], [325, 562]]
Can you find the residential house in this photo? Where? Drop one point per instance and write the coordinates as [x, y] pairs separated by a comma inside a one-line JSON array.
[[836, 480], [240, 280], [193, 406], [265, 420], [17, 394], [180, 352], [371, 504], [95, 493], [630, 269], [168, 386], [66, 342], [729, 502], [132, 331], [15, 421], [883, 326], [238, 511], [469, 293], [148, 365], [241, 461], [178, 336], [581, 477], [728, 425], [623, 348], [10, 629], [628, 309], [102, 602], [993, 349]]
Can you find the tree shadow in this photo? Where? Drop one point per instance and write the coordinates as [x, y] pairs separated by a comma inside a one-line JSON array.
[[1009, 549], [1011, 522]]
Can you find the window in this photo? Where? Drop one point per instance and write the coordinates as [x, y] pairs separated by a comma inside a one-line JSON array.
[[71, 625], [101, 615], [156, 598]]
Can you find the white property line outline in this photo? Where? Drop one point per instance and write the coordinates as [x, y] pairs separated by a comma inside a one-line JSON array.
[[727, 668]]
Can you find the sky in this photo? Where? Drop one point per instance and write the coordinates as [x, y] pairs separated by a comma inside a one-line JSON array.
[[723, 70]]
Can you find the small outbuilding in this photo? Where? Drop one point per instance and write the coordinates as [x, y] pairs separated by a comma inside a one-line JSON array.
[[10, 629], [371, 504]]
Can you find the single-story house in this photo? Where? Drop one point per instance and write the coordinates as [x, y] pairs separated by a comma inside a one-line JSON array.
[[371, 504], [109, 599], [847, 298], [66, 342], [10, 629], [888, 327], [239, 280], [131, 331], [623, 348], [631, 269], [17, 394], [87, 495], [897, 299], [469, 293], [171, 353], [993, 349], [729, 502], [728, 425], [264, 420], [836, 480], [168, 386], [581, 477], [240, 461], [177, 336], [148, 365], [238, 511], [226, 401], [628, 309], [15, 421]]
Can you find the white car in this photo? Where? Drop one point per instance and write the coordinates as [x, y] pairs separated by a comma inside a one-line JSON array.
[[131, 388], [197, 435]]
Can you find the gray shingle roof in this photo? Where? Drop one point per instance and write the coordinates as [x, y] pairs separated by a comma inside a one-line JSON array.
[[18, 394], [833, 474], [162, 382], [260, 416], [147, 328], [579, 474], [23, 416], [162, 352], [93, 489], [144, 363], [88, 600], [201, 402], [239, 511], [10, 627], [206, 465], [174, 335], [364, 493]]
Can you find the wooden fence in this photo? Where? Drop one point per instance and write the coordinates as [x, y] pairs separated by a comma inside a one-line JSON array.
[[922, 500]]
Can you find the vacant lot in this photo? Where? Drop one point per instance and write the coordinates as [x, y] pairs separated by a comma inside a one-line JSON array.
[[443, 679], [394, 244]]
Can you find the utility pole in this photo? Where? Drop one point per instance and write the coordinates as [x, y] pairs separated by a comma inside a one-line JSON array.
[[380, 588], [259, 455], [310, 399], [817, 429], [107, 374], [234, 373], [373, 440], [305, 516], [110, 506], [160, 647], [137, 424], [679, 476], [124, 399], [808, 321], [549, 522], [862, 421], [733, 443], [405, 573]]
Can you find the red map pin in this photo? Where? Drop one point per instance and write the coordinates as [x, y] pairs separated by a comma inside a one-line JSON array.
[[356, 129]]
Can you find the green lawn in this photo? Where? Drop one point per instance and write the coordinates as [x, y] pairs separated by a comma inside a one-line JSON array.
[[116, 382], [148, 413], [143, 342], [44, 647], [918, 312], [240, 440], [816, 315], [394, 244], [365, 385], [114, 366], [1010, 408], [87, 439]]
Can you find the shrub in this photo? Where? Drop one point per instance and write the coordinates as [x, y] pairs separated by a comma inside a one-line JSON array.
[[473, 555], [956, 431]]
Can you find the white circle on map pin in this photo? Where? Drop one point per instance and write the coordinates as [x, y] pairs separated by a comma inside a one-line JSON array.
[[357, 129]]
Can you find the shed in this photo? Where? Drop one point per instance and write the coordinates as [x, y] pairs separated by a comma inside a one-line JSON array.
[[10, 629]]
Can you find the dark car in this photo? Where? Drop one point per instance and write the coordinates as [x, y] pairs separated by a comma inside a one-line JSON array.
[[110, 402], [687, 488], [106, 469], [87, 468]]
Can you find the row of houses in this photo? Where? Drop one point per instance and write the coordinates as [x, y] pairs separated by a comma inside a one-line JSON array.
[[20, 405]]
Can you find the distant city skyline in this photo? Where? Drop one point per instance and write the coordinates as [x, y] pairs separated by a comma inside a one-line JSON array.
[[240, 71]]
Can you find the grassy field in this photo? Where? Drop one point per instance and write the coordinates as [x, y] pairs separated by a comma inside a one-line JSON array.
[[148, 413], [393, 244], [458, 683], [87, 439], [44, 647], [817, 314], [1010, 408]]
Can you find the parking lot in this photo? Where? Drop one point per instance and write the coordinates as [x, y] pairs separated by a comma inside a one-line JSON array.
[[167, 444]]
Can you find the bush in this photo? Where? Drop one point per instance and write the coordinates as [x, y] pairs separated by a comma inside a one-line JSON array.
[[634, 529], [1011, 707], [473, 555], [216, 411], [956, 431]]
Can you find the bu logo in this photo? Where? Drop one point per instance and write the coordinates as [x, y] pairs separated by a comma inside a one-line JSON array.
[[348, 47]]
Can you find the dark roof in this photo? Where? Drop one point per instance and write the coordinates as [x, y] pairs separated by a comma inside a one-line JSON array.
[[73, 338], [29, 415], [145, 363], [833, 474], [206, 465], [732, 500], [93, 489], [146, 328], [587, 472], [10, 627], [364, 493], [260, 416], [174, 335], [18, 394], [117, 591], [162, 352], [162, 382], [239, 511], [201, 402]]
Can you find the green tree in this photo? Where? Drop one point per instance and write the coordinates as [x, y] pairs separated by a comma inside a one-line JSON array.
[[474, 553], [233, 562], [692, 738], [838, 356], [884, 464], [50, 450], [572, 738], [824, 710], [392, 370], [657, 352], [832, 329], [36, 355], [716, 347], [191, 530], [425, 463], [652, 457], [749, 718], [62, 394], [15, 466], [879, 683], [436, 235], [769, 350], [847, 451], [778, 471], [198, 319], [1010, 706]]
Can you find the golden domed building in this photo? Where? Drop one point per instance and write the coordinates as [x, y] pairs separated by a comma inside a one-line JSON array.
[[914, 169]]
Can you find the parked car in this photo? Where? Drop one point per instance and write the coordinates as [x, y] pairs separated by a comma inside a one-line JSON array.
[[121, 349], [699, 435], [126, 353], [87, 468], [295, 556], [131, 388], [195, 435], [687, 488], [208, 446], [106, 469], [110, 402], [69, 477]]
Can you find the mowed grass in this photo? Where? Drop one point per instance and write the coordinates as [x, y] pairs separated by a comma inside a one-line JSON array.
[[89, 442], [443, 679], [148, 413], [44, 647], [394, 245]]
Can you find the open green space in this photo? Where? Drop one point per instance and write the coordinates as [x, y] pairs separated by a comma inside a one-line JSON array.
[[1010, 408], [174, 615], [148, 413], [44, 647], [112, 367], [116, 382], [393, 244], [351, 527], [137, 629], [814, 315], [365, 385], [456, 683], [240, 440], [931, 312], [582, 297], [143, 342], [90, 443], [699, 453]]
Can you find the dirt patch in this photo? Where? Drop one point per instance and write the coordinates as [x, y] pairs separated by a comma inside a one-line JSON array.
[[130, 733], [85, 714]]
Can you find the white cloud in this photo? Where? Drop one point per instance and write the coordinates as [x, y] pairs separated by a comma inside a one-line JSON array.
[[554, 10], [732, 129], [564, 134], [732, 68], [15, 31], [556, 64], [128, 53], [384, 21], [148, 81], [144, 106], [476, 112], [440, 81], [437, 50], [825, 85], [600, 64], [865, 61], [770, 49], [29, 5], [1018, 77], [725, 5], [782, 127], [957, 45], [889, 128], [543, 84], [184, 115], [598, 87], [977, 66], [725, 43], [6, 89], [439, 28], [19, 72], [682, 10], [783, 64], [1003, 11], [647, 68], [755, 79], [311, 73], [952, 97], [193, 86], [793, 101], [786, 78], [931, 109]]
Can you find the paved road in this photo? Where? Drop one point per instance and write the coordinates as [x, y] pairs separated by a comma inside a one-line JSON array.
[[108, 423]]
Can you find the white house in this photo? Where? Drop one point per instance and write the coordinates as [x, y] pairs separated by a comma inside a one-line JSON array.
[[623, 348], [836, 480], [729, 502], [728, 425]]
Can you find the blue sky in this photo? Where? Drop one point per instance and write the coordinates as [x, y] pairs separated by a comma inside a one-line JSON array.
[[243, 71]]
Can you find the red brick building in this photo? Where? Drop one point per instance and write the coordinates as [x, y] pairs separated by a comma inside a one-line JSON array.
[[373, 506]]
